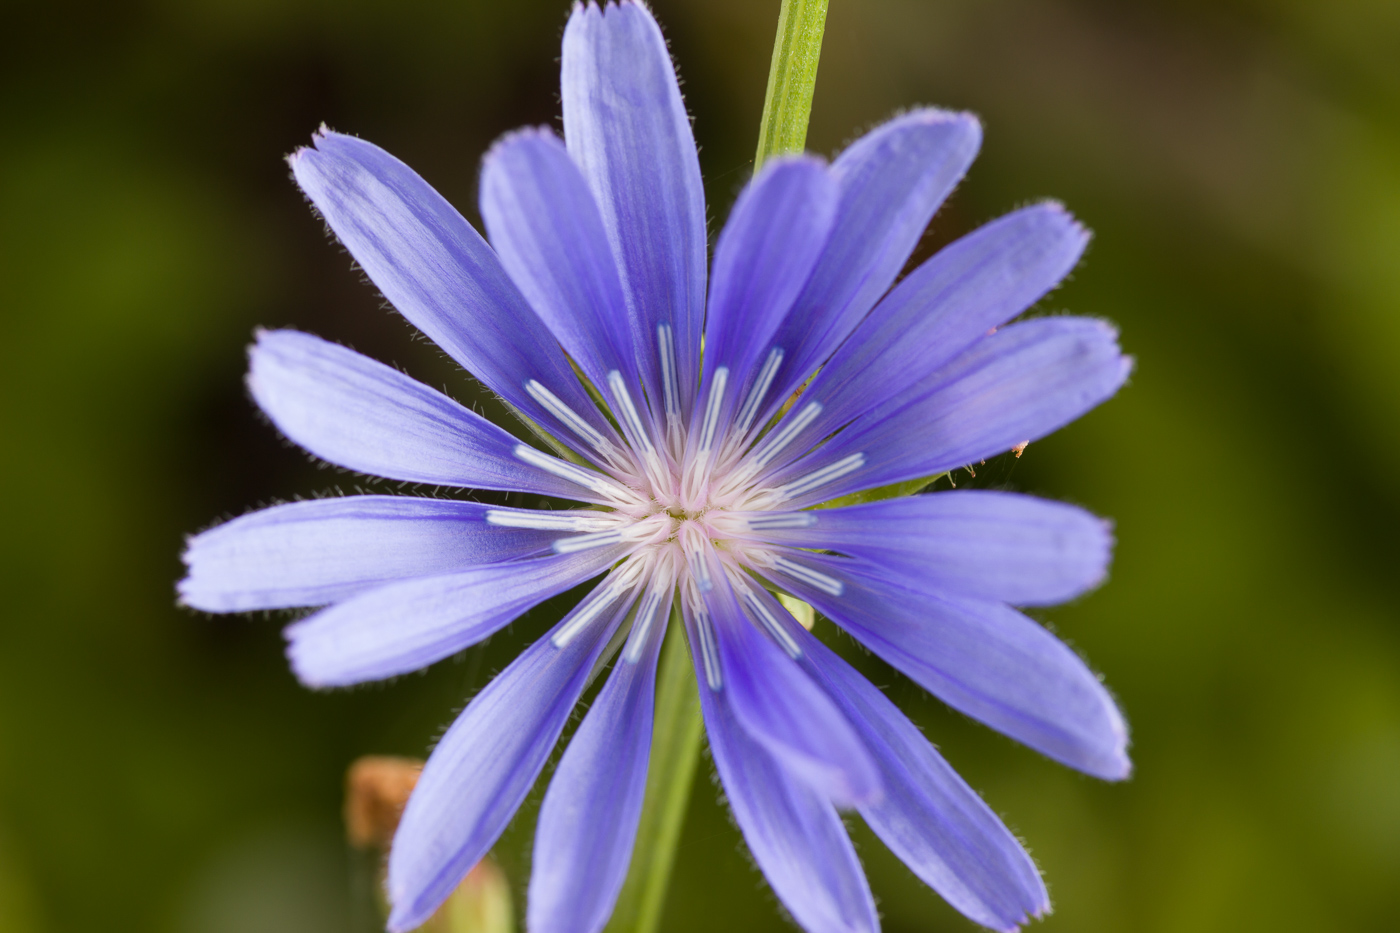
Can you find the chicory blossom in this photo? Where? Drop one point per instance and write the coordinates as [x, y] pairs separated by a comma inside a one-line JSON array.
[[695, 425]]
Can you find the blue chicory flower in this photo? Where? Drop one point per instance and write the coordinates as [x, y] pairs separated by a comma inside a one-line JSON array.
[[698, 484]]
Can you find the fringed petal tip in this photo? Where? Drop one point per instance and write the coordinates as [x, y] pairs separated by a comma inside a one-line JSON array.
[[517, 136], [1112, 762], [1117, 766], [965, 125], [322, 133], [1024, 921], [1055, 209]]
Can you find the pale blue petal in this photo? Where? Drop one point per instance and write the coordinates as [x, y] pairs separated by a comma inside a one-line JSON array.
[[484, 766], [319, 552], [892, 180], [545, 224], [405, 626], [365, 416], [793, 832], [626, 126], [1023, 382], [929, 816], [983, 658], [588, 822], [969, 287], [781, 709], [764, 257], [990, 545], [440, 274]]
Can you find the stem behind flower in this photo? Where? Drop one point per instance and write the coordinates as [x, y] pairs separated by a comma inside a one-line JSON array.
[[788, 102], [675, 750]]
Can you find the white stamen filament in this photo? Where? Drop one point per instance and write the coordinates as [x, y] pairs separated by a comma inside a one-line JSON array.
[[670, 387], [779, 633], [552, 521], [775, 442], [829, 585], [709, 651], [694, 544], [576, 475], [761, 521], [632, 418], [648, 527], [571, 419], [597, 602], [818, 478], [583, 616], [647, 613], [712, 409], [587, 542], [744, 421]]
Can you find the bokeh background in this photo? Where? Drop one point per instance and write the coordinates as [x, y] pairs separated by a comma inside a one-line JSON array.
[[1239, 161]]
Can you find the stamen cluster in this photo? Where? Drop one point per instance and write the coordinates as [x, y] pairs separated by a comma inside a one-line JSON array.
[[681, 504]]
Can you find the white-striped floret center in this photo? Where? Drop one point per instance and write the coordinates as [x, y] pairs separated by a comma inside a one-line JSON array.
[[679, 503]]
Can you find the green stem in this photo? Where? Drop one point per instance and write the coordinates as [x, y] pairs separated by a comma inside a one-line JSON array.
[[675, 750], [793, 75]]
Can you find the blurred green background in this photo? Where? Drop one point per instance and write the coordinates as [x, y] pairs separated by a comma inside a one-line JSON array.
[[1240, 163]]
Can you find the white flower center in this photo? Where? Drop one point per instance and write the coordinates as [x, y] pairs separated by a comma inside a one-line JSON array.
[[681, 503]]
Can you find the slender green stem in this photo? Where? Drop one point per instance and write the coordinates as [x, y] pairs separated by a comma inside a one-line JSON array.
[[793, 75], [675, 750]]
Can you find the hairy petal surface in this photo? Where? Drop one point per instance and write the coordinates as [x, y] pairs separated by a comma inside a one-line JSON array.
[[970, 286], [1023, 382], [588, 822], [626, 126], [546, 226], [320, 552], [929, 816], [983, 658], [891, 182], [440, 274], [989, 545], [482, 769], [365, 416], [793, 831], [404, 626], [763, 258], [784, 711]]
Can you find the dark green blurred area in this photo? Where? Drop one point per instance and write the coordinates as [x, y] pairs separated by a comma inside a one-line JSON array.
[[1240, 164]]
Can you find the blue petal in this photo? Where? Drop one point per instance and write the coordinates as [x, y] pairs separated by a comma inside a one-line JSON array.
[[440, 274], [892, 180], [764, 256], [314, 553], [794, 833], [588, 822], [545, 224], [975, 284], [363, 415], [780, 707], [402, 627], [484, 765], [1019, 384], [983, 658], [990, 545], [929, 816], [626, 127]]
